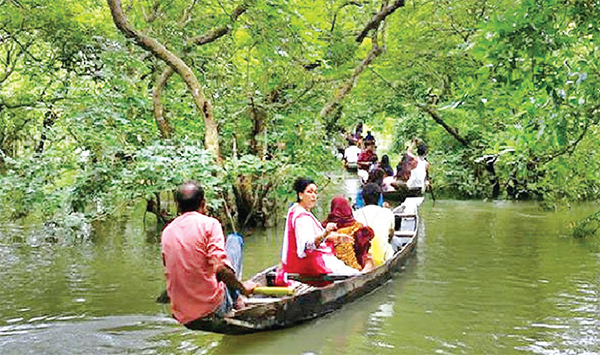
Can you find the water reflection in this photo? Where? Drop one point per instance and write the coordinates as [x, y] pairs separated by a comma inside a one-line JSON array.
[[350, 330]]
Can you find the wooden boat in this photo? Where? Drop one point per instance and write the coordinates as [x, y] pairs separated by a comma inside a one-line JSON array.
[[398, 196], [307, 302]]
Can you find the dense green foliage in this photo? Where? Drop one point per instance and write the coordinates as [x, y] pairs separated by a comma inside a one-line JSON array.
[[504, 93]]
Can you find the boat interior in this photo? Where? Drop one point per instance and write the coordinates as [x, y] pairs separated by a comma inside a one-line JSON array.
[[405, 229]]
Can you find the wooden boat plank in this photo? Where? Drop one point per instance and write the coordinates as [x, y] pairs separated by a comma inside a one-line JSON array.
[[404, 234], [262, 300]]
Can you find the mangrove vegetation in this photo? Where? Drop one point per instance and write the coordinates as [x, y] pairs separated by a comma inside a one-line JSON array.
[[109, 104]]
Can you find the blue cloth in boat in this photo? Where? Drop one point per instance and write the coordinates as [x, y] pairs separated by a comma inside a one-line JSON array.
[[360, 203]]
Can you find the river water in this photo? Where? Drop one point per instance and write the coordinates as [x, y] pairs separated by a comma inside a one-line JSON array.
[[486, 278]]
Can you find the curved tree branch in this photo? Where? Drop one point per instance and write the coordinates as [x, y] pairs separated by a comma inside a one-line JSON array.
[[211, 139], [378, 18], [9, 65], [163, 123], [438, 119], [161, 82], [570, 148], [355, 3], [219, 32], [376, 50], [345, 89]]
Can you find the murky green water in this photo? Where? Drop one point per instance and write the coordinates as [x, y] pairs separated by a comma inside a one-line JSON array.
[[487, 278]]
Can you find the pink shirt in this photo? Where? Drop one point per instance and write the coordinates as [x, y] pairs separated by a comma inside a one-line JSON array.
[[193, 247]]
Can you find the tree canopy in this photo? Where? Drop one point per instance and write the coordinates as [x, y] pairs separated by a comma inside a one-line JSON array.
[[107, 102]]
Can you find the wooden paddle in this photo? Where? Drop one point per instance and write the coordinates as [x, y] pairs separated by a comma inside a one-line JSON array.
[[304, 278], [274, 290], [431, 192]]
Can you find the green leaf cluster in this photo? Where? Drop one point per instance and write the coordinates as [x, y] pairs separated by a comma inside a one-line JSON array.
[[513, 85]]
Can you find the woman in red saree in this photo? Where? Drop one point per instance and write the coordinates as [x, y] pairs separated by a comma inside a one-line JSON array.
[[306, 244]]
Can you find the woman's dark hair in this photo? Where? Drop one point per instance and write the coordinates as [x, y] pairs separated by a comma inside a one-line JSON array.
[[385, 160], [421, 149], [300, 185], [385, 165], [376, 176], [189, 197]]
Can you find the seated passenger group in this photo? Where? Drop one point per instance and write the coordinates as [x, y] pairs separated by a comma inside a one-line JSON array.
[[345, 243], [305, 249], [411, 178]]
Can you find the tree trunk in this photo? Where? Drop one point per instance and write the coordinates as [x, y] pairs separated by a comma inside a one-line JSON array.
[[211, 138], [163, 124], [49, 118], [259, 117]]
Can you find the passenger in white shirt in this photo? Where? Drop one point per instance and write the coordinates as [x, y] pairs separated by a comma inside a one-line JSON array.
[[418, 175], [380, 219], [351, 155]]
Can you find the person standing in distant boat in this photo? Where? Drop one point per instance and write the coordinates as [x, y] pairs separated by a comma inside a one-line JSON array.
[[351, 155], [306, 244], [200, 266], [419, 175]]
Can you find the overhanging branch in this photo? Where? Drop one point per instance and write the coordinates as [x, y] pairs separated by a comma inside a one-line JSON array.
[[438, 119], [345, 89], [373, 24], [570, 148], [219, 32]]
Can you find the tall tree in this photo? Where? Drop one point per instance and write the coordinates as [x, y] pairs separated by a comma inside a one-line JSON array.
[[203, 39], [204, 105]]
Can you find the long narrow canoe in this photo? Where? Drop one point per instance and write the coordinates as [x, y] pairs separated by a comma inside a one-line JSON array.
[[307, 302]]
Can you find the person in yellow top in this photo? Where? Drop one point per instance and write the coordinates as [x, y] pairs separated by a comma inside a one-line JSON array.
[[381, 220]]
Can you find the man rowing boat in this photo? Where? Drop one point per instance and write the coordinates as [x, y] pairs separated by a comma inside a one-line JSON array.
[[200, 266]]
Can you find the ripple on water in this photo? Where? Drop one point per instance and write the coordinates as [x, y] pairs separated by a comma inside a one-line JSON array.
[[108, 335], [577, 326]]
